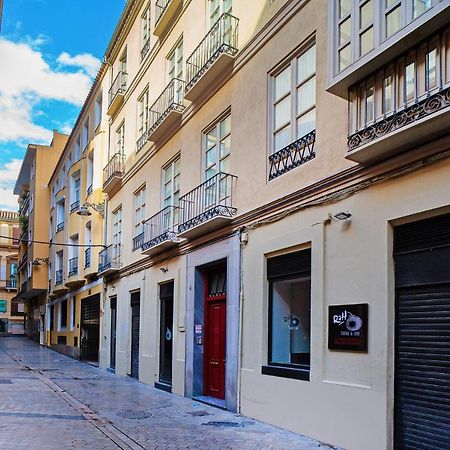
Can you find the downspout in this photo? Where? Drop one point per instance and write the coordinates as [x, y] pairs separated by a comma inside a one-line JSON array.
[[243, 239]]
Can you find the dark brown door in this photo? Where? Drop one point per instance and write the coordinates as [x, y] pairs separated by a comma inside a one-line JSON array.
[[215, 335], [135, 329], [166, 333]]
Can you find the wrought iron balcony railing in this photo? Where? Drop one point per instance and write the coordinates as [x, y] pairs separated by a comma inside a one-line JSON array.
[[87, 258], [221, 38], [59, 227], [143, 139], [406, 91], [24, 203], [118, 86], [145, 49], [110, 258], [11, 283], [73, 266], [58, 277], [212, 198], [74, 206], [292, 156], [114, 168], [161, 227], [161, 6], [171, 99], [138, 241]]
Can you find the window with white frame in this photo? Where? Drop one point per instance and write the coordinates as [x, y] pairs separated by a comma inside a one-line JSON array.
[[175, 70], [120, 139], [90, 173], [75, 190], [362, 25], [145, 26], [85, 134], [60, 215], [117, 232], [218, 7], [76, 150], [139, 211], [294, 100], [217, 148], [171, 190], [143, 114], [98, 110]]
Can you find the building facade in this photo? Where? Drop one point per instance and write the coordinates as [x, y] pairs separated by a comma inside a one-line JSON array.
[[275, 233], [34, 198], [76, 233], [11, 312]]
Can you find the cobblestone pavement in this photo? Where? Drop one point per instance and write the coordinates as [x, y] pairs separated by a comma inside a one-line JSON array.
[[53, 402]]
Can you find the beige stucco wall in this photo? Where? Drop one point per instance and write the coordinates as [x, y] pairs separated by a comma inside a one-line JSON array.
[[349, 400], [147, 281]]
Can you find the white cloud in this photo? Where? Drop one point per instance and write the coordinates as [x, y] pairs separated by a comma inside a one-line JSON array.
[[26, 79], [8, 176], [85, 61], [24, 70], [17, 122]]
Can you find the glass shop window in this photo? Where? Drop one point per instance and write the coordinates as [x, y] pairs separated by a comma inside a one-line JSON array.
[[290, 311]]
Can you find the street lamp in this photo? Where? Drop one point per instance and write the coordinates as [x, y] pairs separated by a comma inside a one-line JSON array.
[[97, 207], [38, 261]]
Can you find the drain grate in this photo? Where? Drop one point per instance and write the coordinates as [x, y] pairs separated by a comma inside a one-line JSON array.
[[199, 413], [223, 423], [130, 414], [5, 381]]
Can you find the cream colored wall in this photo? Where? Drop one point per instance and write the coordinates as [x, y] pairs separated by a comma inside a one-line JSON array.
[[147, 281], [247, 94], [351, 263]]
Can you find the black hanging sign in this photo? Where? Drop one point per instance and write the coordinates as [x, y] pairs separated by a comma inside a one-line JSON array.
[[347, 327]]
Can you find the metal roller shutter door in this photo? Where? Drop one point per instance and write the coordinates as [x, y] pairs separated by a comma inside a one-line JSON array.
[[422, 356], [135, 324]]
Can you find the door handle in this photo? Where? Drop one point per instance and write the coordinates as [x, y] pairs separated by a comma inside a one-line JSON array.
[[214, 363]]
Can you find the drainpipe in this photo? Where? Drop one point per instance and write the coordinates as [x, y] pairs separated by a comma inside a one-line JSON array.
[[243, 239]]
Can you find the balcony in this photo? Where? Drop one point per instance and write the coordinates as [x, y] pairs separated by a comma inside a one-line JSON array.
[[74, 281], [11, 284], [292, 156], [160, 231], [145, 49], [117, 93], [140, 143], [401, 106], [87, 258], [113, 173], [59, 227], [409, 30], [166, 11], [24, 203], [207, 207], [212, 57], [166, 112], [138, 241], [109, 260], [59, 288], [75, 206]]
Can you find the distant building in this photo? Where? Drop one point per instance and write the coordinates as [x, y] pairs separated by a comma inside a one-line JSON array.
[[34, 209], [11, 310]]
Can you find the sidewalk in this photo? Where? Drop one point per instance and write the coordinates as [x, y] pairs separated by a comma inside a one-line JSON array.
[[50, 401]]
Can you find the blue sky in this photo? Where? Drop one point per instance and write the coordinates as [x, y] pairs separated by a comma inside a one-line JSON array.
[[50, 51]]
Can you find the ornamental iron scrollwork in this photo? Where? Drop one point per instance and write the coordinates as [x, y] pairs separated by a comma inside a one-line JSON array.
[[411, 114], [220, 39], [292, 156]]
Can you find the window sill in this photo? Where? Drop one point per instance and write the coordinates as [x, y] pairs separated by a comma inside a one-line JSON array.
[[286, 372]]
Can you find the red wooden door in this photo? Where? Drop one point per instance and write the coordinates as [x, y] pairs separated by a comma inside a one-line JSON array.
[[215, 345]]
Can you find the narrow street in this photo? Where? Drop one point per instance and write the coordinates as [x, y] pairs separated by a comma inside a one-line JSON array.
[[50, 401]]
